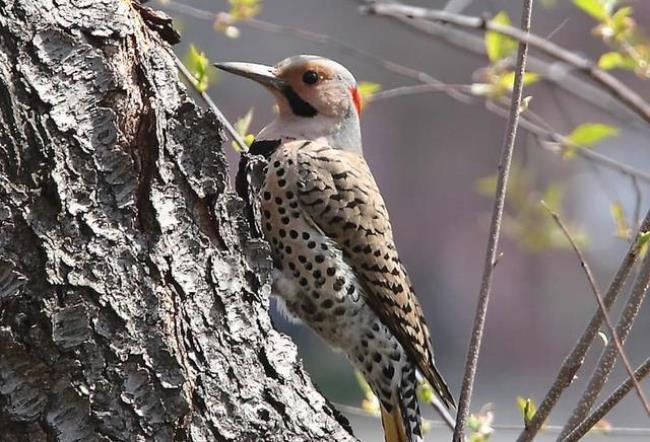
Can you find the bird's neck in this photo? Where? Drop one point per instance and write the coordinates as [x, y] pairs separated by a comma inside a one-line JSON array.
[[338, 133]]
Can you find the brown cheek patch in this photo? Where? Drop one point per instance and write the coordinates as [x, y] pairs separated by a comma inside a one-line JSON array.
[[356, 99]]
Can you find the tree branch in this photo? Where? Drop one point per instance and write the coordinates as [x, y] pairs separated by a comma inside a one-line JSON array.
[[608, 358], [559, 73], [618, 345], [315, 37], [617, 88], [609, 403], [558, 144], [574, 360], [495, 229]]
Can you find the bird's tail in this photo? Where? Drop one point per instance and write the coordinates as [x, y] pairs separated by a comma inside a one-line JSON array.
[[402, 421]]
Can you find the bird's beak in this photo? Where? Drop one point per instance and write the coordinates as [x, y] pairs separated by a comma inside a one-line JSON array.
[[265, 75]]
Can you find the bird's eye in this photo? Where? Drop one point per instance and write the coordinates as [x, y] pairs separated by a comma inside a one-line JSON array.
[[310, 77]]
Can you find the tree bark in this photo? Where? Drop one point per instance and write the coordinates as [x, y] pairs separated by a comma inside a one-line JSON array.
[[133, 297]]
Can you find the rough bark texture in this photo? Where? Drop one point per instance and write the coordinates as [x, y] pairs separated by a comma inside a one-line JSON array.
[[133, 299]]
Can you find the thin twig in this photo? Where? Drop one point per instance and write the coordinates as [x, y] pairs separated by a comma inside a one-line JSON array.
[[618, 345], [325, 39], [416, 90], [495, 230], [559, 73], [617, 88], [575, 358], [442, 411], [558, 144], [608, 357], [224, 121], [614, 431], [609, 403]]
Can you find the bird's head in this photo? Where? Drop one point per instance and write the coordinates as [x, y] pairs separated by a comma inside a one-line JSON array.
[[316, 98]]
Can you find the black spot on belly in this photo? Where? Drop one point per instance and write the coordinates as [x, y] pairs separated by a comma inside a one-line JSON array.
[[328, 303], [308, 307]]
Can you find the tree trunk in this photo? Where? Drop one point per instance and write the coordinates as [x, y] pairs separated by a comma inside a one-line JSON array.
[[133, 297]]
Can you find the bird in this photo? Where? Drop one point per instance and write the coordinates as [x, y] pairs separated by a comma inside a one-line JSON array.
[[335, 263]]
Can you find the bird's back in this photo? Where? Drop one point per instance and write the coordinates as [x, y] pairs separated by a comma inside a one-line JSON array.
[[337, 267]]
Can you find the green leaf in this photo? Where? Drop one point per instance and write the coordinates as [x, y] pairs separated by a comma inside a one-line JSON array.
[[242, 127], [198, 64], [644, 239], [528, 409], [616, 60], [623, 229], [487, 186], [244, 9], [499, 46], [553, 196], [588, 134], [425, 392], [507, 79], [244, 123], [473, 423], [598, 9], [366, 90]]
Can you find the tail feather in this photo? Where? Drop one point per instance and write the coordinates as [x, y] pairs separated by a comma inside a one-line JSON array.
[[394, 428], [440, 386], [402, 422]]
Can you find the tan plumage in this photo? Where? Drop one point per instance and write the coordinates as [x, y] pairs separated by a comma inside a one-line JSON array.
[[394, 428], [348, 207], [336, 264]]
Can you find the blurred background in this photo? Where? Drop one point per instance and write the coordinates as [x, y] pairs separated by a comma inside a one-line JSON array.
[[433, 157]]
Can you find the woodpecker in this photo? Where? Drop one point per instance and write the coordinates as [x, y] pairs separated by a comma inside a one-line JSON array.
[[336, 267]]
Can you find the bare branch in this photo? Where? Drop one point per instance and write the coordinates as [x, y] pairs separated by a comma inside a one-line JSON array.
[[608, 357], [325, 39], [618, 345], [614, 431], [213, 107], [556, 143], [609, 403], [617, 88], [574, 360], [417, 90], [495, 230]]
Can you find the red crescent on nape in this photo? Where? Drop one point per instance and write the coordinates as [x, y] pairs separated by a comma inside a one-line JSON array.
[[356, 99]]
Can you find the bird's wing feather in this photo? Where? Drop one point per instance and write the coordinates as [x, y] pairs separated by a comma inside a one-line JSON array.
[[338, 192]]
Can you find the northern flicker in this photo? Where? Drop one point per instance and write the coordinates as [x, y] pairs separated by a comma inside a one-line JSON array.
[[336, 265]]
